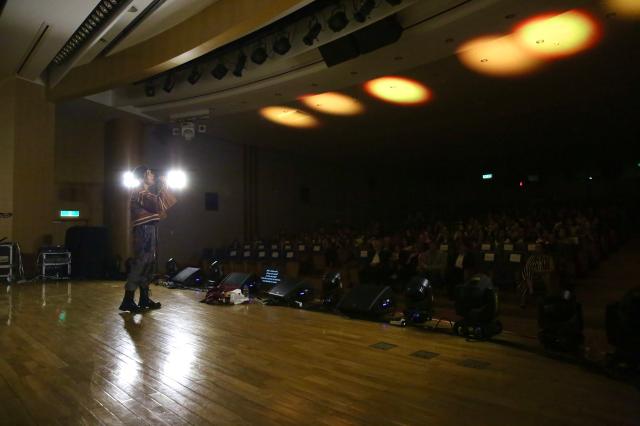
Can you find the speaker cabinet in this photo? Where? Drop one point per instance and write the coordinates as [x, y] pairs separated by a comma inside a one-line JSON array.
[[188, 277], [367, 300], [297, 293]]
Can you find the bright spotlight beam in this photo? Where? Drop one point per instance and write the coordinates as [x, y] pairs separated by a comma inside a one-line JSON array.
[[129, 180], [176, 179]]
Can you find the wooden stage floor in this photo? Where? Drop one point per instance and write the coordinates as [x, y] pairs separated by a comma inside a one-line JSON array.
[[68, 357]]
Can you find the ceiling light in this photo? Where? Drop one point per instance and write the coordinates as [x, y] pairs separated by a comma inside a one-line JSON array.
[[259, 55], [554, 36], [498, 56], [625, 8], [333, 103], [240, 63], [338, 20], [289, 117], [282, 45], [312, 35], [399, 90], [364, 10], [194, 76], [169, 83], [219, 71]]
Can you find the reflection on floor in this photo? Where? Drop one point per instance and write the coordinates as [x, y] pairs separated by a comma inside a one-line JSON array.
[[67, 356]]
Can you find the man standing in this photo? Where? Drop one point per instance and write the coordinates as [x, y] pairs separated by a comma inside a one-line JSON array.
[[148, 204]]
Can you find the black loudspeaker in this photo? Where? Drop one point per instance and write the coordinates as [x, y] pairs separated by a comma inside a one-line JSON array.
[[367, 300], [382, 33], [188, 277], [339, 51], [89, 247], [365, 40], [292, 292]]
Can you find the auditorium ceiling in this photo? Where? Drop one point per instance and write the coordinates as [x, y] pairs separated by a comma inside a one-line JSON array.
[[498, 76]]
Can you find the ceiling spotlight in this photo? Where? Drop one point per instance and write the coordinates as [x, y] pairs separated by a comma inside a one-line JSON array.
[[282, 45], [242, 61], [219, 71], [194, 76], [150, 90], [364, 10], [169, 83], [312, 34], [259, 55], [338, 20]]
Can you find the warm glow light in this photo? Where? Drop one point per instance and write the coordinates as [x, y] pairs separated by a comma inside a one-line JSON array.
[[626, 8], [553, 36], [333, 103], [497, 55], [289, 116], [398, 90]]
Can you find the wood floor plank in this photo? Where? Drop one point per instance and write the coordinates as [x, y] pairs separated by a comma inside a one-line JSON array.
[[80, 361]]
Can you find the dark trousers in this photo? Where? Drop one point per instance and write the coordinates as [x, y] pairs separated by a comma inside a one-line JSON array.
[[144, 256]]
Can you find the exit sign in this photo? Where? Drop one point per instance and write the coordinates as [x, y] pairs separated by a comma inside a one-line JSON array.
[[69, 213]]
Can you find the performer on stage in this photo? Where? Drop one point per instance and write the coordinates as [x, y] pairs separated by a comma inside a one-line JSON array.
[[149, 205]]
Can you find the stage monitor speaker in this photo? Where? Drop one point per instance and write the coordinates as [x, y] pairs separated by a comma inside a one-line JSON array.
[[188, 277], [367, 300], [366, 40], [298, 292], [240, 280]]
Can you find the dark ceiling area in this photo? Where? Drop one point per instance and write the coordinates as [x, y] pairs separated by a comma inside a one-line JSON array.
[[582, 109]]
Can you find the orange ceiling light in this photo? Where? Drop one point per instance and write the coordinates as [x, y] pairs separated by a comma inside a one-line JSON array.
[[333, 103], [625, 8], [291, 117], [558, 35], [497, 55], [399, 90]]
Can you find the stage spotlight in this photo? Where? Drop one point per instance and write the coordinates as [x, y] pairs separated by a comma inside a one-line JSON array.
[[259, 55], [176, 179], [282, 45], [497, 55], [171, 267], [556, 36], [129, 180], [624, 8], [150, 90], [338, 20], [219, 71], [169, 83], [364, 10], [333, 103], [312, 34], [399, 90], [194, 76], [289, 117], [242, 61]]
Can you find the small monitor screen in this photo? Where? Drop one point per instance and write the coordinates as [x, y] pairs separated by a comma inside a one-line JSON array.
[[271, 276], [69, 213]]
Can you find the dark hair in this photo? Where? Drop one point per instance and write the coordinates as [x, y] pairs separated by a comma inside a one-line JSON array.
[[140, 171]]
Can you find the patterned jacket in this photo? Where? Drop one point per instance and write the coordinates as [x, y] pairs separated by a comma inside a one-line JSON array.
[[147, 207]]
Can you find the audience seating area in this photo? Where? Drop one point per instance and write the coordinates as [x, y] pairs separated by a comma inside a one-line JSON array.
[[498, 244]]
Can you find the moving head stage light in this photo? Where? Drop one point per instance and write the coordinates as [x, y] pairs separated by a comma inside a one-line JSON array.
[[477, 304], [419, 302]]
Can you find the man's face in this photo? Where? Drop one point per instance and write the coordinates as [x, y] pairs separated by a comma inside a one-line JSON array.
[[149, 178]]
